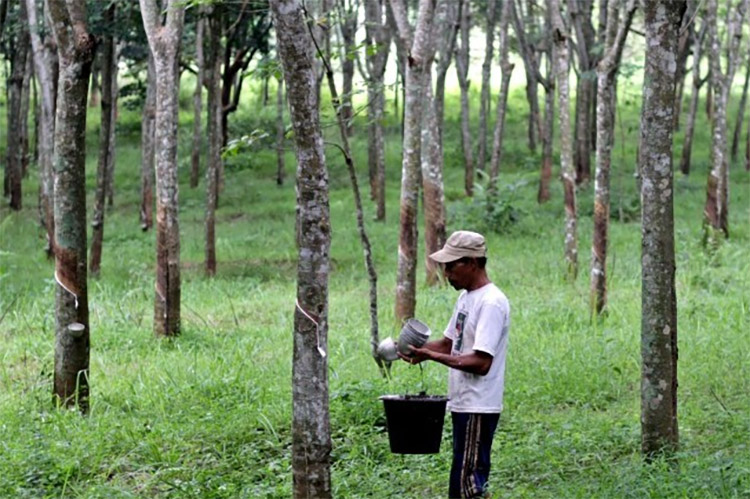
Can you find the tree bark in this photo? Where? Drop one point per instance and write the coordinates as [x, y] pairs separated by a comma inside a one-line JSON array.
[[446, 29], [432, 185], [484, 96], [195, 155], [716, 211], [567, 168], [148, 147], [531, 68], [462, 70], [113, 91], [659, 432], [280, 134], [164, 40], [418, 64], [506, 69], [311, 432], [741, 112], [75, 52], [378, 40], [108, 61], [46, 70], [19, 54], [580, 13], [348, 12], [687, 143], [214, 122], [547, 136], [605, 126]]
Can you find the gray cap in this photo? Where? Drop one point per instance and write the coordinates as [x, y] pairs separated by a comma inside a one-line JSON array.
[[460, 244]]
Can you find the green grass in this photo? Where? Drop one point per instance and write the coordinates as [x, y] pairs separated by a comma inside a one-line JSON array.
[[209, 414]]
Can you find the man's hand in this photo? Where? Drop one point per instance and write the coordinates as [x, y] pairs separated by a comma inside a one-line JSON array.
[[416, 355]]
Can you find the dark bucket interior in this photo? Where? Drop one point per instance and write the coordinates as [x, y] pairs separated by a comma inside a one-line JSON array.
[[415, 422]]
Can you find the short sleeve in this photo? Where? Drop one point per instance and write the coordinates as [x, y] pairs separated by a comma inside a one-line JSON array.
[[491, 326]]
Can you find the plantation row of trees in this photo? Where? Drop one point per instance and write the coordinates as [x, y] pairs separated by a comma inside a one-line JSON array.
[[68, 54]]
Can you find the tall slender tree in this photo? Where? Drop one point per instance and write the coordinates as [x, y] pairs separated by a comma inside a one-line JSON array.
[[659, 432], [417, 45], [18, 46], [462, 71], [506, 69], [484, 95], [716, 211], [108, 60], [46, 70], [148, 146], [164, 39], [311, 431], [75, 49], [606, 88], [567, 168], [195, 156], [280, 133], [697, 83], [214, 23], [378, 41], [741, 111]]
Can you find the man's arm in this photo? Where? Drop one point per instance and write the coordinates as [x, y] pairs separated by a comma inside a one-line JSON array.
[[476, 362]]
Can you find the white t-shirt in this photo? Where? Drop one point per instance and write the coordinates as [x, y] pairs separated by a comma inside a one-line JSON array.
[[480, 321]]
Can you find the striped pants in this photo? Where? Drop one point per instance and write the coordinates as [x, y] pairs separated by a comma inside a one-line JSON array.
[[472, 442]]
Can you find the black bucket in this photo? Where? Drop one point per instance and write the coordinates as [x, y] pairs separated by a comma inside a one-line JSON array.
[[415, 422]]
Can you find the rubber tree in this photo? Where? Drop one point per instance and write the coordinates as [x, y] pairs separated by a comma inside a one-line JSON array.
[[567, 168], [716, 210], [108, 82], [164, 38], [417, 45], [659, 431], [606, 89], [311, 431], [75, 51], [44, 54], [484, 93], [17, 46], [462, 71]]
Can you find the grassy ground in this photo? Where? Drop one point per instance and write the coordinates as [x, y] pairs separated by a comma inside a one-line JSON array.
[[208, 415]]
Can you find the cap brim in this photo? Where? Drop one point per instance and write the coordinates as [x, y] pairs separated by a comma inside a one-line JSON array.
[[445, 255]]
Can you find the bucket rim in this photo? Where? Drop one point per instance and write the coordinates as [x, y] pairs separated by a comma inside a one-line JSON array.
[[415, 397]]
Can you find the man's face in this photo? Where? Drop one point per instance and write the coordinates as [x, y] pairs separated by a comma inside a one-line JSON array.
[[459, 272]]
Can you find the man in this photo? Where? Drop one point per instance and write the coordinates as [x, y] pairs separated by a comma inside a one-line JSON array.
[[474, 347]]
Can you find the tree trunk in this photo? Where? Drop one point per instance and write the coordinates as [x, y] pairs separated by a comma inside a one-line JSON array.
[[148, 147], [164, 40], [531, 68], [605, 126], [14, 152], [114, 91], [567, 168], [462, 70], [432, 184], [419, 63], [659, 431], [740, 113], [348, 29], [378, 40], [687, 143], [716, 211], [108, 61], [506, 69], [25, 107], [311, 432], [46, 70], [580, 12], [214, 121], [547, 137], [484, 96], [280, 133], [446, 28], [75, 52], [195, 155]]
